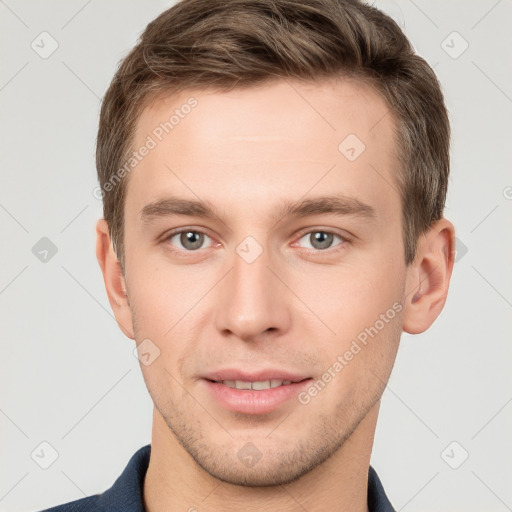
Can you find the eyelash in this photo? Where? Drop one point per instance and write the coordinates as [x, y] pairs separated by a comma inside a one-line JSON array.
[[331, 250]]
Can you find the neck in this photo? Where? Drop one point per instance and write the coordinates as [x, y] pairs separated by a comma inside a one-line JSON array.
[[174, 481]]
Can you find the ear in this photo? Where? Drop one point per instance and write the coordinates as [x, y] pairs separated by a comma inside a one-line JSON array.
[[428, 277], [114, 279]]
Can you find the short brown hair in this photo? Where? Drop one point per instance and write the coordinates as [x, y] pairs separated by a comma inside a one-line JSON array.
[[239, 43]]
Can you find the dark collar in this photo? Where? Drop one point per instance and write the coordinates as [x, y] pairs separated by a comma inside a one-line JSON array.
[[377, 499]]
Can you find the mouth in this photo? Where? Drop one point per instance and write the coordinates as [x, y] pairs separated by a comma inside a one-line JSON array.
[[260, 385], [255, 397]]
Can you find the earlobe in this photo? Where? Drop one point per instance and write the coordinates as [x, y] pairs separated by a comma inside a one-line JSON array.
[[114, 280], [428, 277]]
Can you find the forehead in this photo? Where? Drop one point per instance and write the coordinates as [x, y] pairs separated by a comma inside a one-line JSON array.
[[278, 139], [283, 110]]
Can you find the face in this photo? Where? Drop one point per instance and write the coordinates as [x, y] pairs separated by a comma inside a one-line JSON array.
[[287, 266]]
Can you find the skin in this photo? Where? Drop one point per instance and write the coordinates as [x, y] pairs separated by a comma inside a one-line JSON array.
[[297, 306]]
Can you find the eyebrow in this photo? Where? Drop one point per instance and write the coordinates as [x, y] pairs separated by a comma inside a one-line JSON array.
[[331, 204]]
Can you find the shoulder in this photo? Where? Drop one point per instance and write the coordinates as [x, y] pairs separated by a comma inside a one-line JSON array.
[[125, 495], [87, 504]]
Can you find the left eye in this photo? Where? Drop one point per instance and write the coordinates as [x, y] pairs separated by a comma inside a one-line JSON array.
[[189, 239], [320, 240]]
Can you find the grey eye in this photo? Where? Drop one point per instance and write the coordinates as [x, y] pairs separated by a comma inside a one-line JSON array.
[[320, 239], [190, 240]]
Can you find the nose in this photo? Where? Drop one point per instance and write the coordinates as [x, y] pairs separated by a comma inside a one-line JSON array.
[[252, 299]]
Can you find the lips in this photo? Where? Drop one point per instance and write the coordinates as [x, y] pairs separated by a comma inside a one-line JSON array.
[[255, 385], [254, 392], [252, 376]]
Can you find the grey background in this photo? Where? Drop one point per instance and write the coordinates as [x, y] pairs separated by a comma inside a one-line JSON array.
[[68, 375]]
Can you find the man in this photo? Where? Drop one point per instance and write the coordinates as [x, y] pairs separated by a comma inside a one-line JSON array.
[[274, 175]]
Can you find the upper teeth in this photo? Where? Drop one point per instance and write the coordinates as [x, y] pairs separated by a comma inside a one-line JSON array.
[[258, 385]]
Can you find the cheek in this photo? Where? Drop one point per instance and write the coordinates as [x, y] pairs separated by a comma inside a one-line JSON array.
[[349, 298], [162, 295], [167, 306], [361, 306]]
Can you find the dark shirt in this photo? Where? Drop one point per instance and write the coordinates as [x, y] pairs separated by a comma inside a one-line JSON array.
[[126, 493]]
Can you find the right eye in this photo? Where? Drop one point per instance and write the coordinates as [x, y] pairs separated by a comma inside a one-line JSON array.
[[189, 239]]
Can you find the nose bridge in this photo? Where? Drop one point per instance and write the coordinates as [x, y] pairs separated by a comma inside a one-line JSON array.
[[251, 299]]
